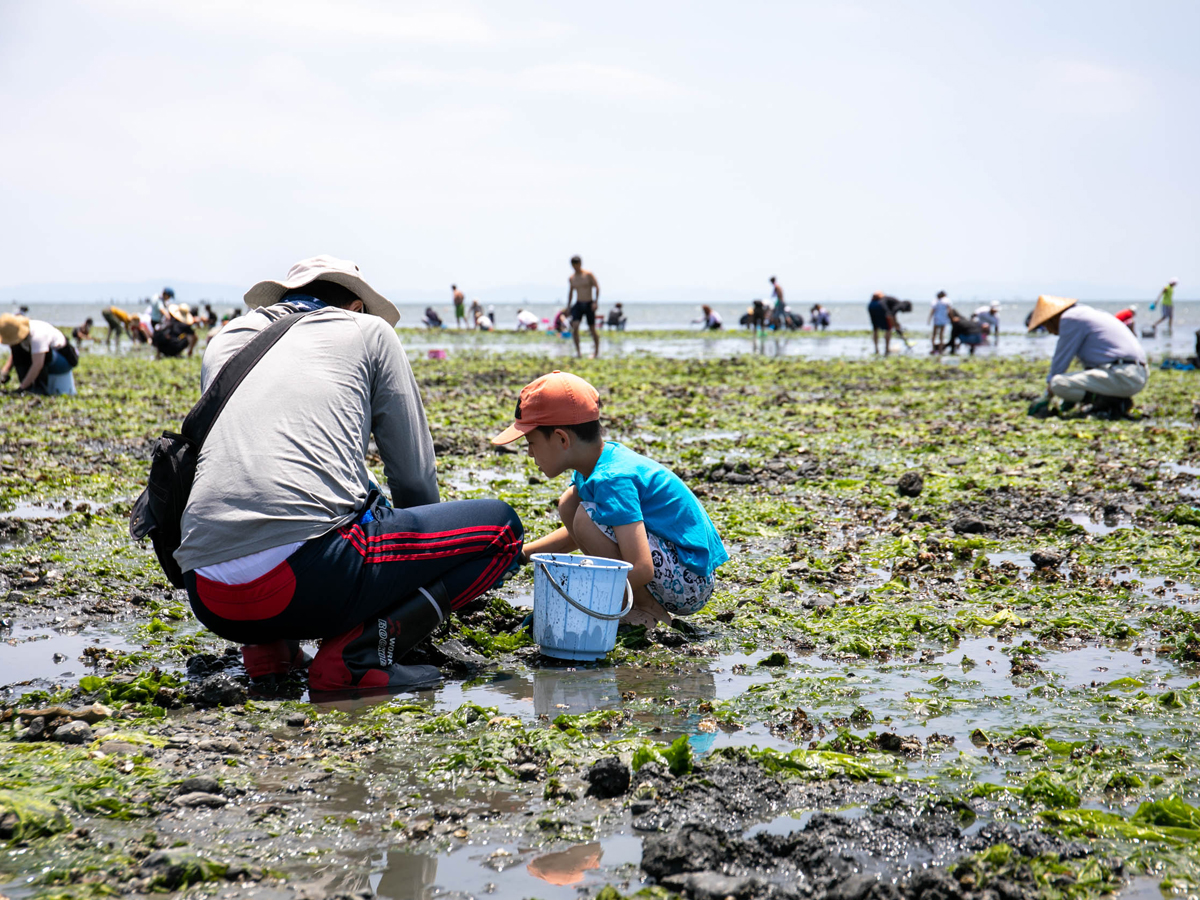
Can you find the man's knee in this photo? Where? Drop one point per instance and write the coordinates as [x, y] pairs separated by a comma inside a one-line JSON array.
[[1066, 389], [505, 515]]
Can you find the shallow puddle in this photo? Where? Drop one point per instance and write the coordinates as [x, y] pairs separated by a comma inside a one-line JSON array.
[[37, 656], [507, 871], [1100, 526]]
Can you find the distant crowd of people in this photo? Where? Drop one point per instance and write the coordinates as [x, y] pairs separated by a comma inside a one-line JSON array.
[[773, 314], [170, 327]]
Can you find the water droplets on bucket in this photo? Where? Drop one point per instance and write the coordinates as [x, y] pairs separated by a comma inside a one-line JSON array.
[[577, 603]]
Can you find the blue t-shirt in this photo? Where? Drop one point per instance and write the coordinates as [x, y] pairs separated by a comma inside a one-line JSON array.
[[628, 487]]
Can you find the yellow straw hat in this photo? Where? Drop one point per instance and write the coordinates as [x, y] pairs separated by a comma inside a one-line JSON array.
[[1047, 308], [13, 329], [180, 313]]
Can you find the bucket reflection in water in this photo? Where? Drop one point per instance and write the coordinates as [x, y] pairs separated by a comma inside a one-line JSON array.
[[566, 866], [575, 692], [406, 875]]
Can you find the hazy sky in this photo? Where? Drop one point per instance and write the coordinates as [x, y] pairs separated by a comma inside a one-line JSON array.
[[977, 145]]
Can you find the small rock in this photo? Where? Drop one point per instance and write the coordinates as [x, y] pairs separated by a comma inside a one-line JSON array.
[[666, 637], [219, 745], [1027, 744], [457, 657], [968, 525], [527, 771], [906, 745], [169, 869], [1046, 559], [91, 714], [35, 731], [125, 748], [199, 799], [1023, 667], [910, 484], [296, 720], [712, 885], [609, 777], [74, 732], [956, 461], [218, 690], [857, 887], [204, 784], [204, 664]]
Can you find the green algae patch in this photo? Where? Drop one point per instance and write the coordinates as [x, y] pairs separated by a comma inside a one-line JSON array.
[[817, 765], [1049, 876], [26, 814], [677, 757]]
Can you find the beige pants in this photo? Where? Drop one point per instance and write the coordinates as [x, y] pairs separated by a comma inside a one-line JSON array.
[[1113, 381]]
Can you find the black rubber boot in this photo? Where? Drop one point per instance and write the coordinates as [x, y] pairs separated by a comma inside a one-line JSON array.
[[365, 656]]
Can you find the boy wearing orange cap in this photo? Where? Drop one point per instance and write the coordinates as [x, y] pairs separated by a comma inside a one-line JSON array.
[[620, 505]]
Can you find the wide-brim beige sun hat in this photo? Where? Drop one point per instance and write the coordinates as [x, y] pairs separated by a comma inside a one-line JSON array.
[[13, 329], [180, 313], [324, 268], [1047, 308]]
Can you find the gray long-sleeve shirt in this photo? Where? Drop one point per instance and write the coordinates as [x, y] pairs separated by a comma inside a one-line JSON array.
[[284, 461], [1097, 338]]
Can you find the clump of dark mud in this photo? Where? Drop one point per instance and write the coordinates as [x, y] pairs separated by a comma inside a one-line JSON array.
[[910, 843], [609, 777], [888, 855], [910, 484]]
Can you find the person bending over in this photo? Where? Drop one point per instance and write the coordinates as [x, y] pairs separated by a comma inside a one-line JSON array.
[[175, 334], [968, 332], [710, 319], [37, 350], [83, 333], [285, 536], [1114, 363], [620, 505]]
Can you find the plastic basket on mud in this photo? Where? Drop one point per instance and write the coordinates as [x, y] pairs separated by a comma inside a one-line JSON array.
[[577, 603]]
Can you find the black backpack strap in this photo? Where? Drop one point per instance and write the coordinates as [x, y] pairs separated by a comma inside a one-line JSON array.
[[197, 423]]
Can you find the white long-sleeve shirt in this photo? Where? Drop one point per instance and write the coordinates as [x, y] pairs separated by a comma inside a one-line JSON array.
[[1096, 338]]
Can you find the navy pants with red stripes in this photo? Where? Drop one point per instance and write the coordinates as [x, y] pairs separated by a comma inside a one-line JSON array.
[[363, 570]]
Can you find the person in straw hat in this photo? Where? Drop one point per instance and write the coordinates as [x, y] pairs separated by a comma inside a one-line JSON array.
[[37, 350], [285, 536], [1114, 363], [176, 333]]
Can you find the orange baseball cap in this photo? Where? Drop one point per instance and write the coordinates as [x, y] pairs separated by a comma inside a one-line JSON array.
[[559, 398]]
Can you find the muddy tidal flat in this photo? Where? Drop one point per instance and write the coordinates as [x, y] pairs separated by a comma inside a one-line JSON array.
[[955, 654]]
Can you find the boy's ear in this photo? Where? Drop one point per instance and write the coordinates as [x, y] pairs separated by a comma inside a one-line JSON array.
[[564, 437]]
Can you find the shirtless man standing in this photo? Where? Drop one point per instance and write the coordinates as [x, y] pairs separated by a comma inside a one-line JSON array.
[[777, 312], [460, 312], [586, 289]]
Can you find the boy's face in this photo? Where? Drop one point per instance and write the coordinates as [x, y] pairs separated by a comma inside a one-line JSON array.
[[550, 453]]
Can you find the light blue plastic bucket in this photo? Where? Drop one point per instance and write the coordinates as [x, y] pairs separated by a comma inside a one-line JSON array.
[[577, 603], [61, 384]]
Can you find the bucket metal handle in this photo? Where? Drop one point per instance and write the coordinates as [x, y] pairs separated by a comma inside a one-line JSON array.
[[608, 617]]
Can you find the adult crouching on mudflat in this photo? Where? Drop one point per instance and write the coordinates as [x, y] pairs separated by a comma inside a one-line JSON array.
[[285, 537], [37, 350], [1114, 363]]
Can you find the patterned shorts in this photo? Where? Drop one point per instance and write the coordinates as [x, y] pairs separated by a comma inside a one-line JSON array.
[[680, 590]]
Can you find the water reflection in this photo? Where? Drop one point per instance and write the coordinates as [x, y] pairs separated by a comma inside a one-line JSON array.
[[566, 866], [404, 875]]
